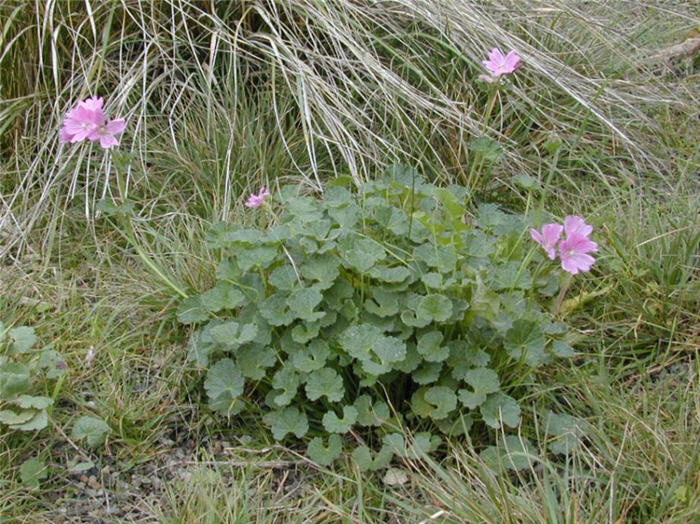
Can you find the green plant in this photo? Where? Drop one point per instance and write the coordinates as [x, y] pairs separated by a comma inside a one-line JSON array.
[[348, 305], [24, 374]]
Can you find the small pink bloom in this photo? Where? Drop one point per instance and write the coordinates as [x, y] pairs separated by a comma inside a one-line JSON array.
[[105, 134], [257, 200], [548, 238], [577, 225], [574, 250], [88, 121], [499, 64]]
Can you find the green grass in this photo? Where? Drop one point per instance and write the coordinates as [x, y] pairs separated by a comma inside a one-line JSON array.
[[220, 102]]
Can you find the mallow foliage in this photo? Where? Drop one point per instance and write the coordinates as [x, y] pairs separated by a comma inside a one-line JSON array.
[[373, 309]]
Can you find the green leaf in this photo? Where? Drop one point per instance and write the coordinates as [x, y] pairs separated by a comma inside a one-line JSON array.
[[565, 432], [326, 382], [32, 471], [286, 380], [275, 310], [23, 338], [223, 295], [499, 406], [514, 453], [285, 421], [232, 335], [255, 257], [427, 373], [525, 339], [390, 275], [346, 216], [561, 349], [432, 280], [429, 345], [511, 275], [443, 399], [253, 361], [434, 308], [443, 258], [38, 422], [302, 301], [224, 384], [487, 148], [333, 424], [483, 381], [383, 303], [369, 414], [14, 379], [12, 418], [284, 278], [525, 181], [192, 310], [94, 430], [324, 455], [322, 268], [311, 358], [362, 254], [53, 364], [362, 457], [36, 402], [302, 333]]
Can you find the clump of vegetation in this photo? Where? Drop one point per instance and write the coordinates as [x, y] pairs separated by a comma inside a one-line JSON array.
[[377, 309]]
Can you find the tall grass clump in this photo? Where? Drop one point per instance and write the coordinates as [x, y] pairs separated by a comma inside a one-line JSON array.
[[220, 94]]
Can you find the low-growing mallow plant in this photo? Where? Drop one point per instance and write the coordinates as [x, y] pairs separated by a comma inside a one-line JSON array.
[[367, 311], [26, 374]]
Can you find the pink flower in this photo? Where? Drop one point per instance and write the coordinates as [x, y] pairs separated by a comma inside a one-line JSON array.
[[577, 225], [257, 200], [88, 121], [573, 252], [548, 238], [499, 64]]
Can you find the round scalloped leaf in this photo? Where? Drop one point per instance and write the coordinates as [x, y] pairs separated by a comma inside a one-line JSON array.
[[275, 310], [93, 430], [525, 339], [430, 346], [252, 360], [383, 303], [248, 258], [302, 301], [561, 349], [483, 381], [14, 379], [232, 335], [427, 373], [284, 278], [224, 384], [443, 400], [35, 402], [499, 406], [325, 455], [287, 381], [326, 382], [192, 310], [369, 414], [334, 424], [285, 421], [434, 308], [321, 268], [23, 338], [12, 418], [223, 295], [302, 333], [362, 457], [312, 357]]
